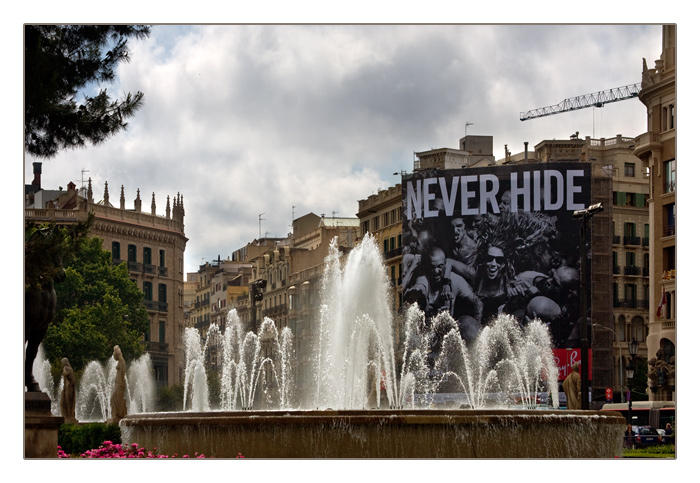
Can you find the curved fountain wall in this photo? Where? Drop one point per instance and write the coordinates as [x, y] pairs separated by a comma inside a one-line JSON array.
[[381, 433]]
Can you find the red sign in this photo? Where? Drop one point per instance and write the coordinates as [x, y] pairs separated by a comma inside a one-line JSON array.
[[565, 358], [608, 393]]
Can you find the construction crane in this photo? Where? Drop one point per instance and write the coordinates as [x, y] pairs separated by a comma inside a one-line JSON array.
[[596, 99]]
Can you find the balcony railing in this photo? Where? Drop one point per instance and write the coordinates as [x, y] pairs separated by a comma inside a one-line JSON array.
[[616, 269], [156, 306], [392, 253], [158, 347], [616, 239], [632, 240], [134, 266], [632, 270], [631, 304]]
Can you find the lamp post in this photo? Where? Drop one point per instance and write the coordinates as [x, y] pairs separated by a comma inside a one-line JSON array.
[[620, 347], [585, 215], [633, 347]]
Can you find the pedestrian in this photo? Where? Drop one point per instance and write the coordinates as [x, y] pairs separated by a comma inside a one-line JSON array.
[[629, 437]]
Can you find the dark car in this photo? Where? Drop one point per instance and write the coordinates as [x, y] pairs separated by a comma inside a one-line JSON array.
[[646, 436]]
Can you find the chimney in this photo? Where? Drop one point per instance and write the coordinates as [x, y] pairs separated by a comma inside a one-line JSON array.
[[37, 176], [526, 143]]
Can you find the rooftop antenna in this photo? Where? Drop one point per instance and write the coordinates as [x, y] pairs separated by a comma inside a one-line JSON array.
[[466, 125], [82, 177]]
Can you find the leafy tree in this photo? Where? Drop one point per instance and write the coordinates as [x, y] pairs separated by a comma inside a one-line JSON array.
[[60, 61], [99, 307]]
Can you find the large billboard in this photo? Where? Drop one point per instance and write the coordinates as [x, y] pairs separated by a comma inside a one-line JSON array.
[[483, 241]]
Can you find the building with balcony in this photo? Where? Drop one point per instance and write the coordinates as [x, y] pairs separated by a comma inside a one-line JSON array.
[[151, 245], [630, 245], [657, 150]]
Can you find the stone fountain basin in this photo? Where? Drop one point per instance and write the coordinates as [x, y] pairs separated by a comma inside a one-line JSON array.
[[405, 433]]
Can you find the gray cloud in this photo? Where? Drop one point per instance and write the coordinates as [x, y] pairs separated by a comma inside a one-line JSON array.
[[250, 119]]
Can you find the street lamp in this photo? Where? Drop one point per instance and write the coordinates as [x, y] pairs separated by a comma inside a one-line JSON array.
[[633, 347], [620, 347], [585, 215]]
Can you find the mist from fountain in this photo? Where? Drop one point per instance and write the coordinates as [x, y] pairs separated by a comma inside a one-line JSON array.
[[251, 364]]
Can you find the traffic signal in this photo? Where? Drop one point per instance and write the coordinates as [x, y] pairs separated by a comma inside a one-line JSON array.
[[256, 289]]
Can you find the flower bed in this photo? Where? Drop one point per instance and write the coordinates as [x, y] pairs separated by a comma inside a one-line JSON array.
[[108, 449]]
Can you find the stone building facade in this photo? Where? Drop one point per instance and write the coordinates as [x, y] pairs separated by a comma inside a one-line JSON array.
[[657, 149]]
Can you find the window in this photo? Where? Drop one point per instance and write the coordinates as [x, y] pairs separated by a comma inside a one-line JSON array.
[[148, 291], [669, 117], [630, 259], [629, 169], [620, 327], [670, 219], [637, 329], [365, 227], [670, 176], [630, 230], [116, 251], [630, 292], [163, 296], [669, 258], [161, 331], [131, 253]]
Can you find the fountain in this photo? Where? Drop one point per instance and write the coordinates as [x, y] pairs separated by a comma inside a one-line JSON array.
[[453, 401], [95, 387]]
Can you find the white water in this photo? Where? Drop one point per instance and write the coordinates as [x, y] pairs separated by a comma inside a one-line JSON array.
[[94, 389]]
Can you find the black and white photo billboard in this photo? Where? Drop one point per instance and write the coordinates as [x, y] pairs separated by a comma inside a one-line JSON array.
[[501, 239]]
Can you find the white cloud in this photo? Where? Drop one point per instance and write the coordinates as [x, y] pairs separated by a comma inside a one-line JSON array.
[[250, 119]]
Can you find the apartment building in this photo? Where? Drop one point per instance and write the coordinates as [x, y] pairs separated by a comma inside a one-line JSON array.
[[657, 150]]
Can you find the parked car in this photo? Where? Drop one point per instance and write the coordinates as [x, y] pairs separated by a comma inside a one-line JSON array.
[[645, 436]]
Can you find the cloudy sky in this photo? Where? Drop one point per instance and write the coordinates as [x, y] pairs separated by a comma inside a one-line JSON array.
[[256, 124]]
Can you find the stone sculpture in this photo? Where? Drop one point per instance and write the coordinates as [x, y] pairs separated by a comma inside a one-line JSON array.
[[572, 388], [118, 403], [68, 393]]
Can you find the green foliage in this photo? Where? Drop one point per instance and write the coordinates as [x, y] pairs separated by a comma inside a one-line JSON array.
[[99, 307], [661, 451], [59, 62], [76, 439], [169, 398], [47, 248], [638, 385]]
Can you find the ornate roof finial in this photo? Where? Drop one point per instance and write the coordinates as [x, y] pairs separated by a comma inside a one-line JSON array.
[[167, 207], [153, 204], [122, 200], [137, 201], [105, 198], [89, 191]]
